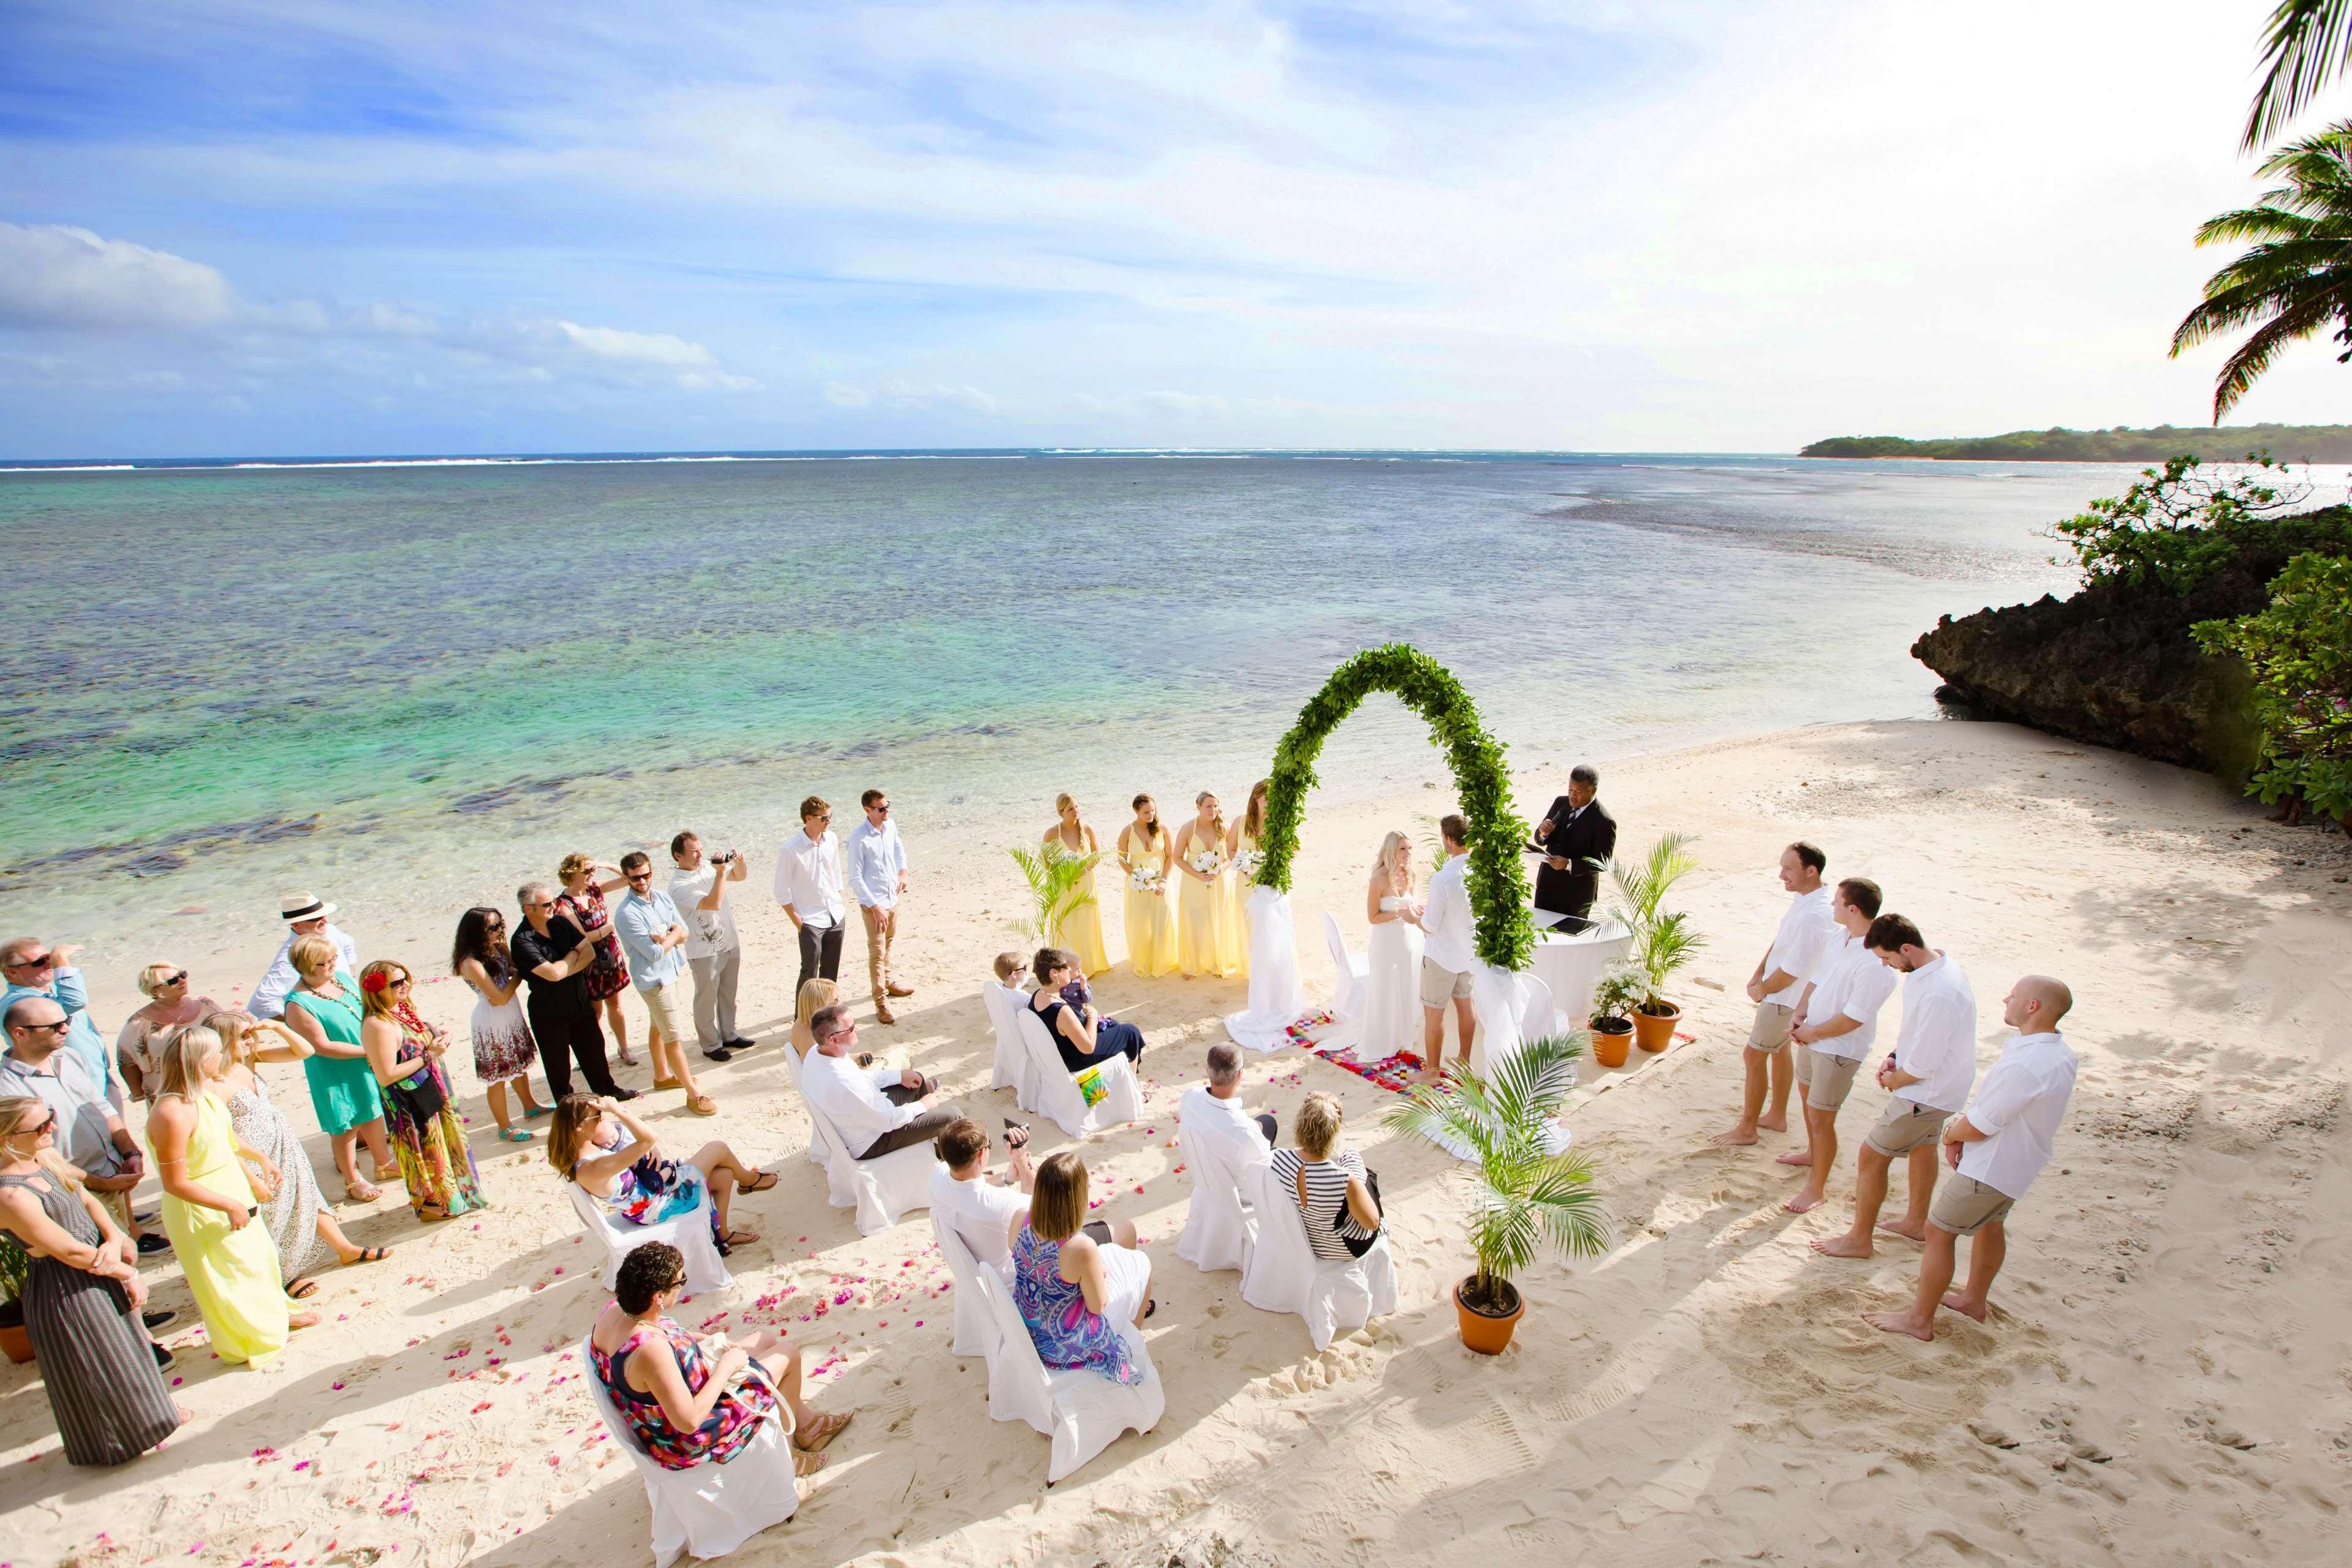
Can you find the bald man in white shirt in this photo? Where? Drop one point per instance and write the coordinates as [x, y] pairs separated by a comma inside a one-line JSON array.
[[1997, 1147]]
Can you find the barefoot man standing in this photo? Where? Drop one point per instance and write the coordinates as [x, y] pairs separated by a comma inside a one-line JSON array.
[[1999, 1144], [1930, 1070], [1835, 1029], [1798, 948]]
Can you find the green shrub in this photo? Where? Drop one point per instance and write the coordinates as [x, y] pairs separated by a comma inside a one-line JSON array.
[[2299, 651]]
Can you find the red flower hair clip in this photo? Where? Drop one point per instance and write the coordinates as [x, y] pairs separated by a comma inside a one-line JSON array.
[[374, 982]]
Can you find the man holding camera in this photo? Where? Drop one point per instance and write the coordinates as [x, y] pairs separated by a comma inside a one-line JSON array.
[[713, 951]]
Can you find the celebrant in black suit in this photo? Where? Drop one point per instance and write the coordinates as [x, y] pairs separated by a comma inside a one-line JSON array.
[[1577, 831]]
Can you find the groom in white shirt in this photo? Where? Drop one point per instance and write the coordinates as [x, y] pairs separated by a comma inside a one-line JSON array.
[[1449, 954]]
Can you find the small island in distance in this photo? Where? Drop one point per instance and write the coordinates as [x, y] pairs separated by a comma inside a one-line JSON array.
[[2231, 442]]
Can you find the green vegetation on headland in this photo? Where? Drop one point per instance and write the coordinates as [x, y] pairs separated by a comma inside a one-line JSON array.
[[2222, 443]]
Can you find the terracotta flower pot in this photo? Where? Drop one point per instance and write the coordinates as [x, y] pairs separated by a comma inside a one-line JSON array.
[[16, 1343], [1610, 1045], [1656, 1031], [1484, 1333]]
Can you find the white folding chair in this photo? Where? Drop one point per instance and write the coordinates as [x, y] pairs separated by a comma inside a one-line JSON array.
[[1354, 974], [975, 1326], [1056, 1088], [792, 1064], [880, 1190], [690, 1233], [1220, 1225], [1011, 1070], [1081, 1410], [1285, 1276], [708, 1509]]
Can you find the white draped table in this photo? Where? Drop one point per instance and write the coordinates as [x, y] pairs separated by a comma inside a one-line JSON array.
[[1572, 966]]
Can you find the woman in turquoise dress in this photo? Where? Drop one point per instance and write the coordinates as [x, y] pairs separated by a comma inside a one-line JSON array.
[[323, 1007]]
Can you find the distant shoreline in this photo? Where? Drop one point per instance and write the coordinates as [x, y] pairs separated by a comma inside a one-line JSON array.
[[2223, 443]]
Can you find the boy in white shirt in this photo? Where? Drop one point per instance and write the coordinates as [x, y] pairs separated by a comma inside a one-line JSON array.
[[1998, 1145], [1837, 1020]]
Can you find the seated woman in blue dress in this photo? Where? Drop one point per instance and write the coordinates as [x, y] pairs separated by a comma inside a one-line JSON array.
[[618, 1161], [1082, 1035], [1075, 1286]]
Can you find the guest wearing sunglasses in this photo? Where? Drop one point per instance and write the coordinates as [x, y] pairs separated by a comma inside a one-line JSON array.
[[653, 935], [503, 1048], [404, 1052], [82, 1297], [808, 885], [92, 1136], [169, 1006], [555, 955], [38, 968]]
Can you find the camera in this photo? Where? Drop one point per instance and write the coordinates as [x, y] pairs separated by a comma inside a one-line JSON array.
[[723, 860]]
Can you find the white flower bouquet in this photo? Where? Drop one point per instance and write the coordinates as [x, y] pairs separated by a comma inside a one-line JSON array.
[[1247, 864], [1208, 861], [1143, 881]]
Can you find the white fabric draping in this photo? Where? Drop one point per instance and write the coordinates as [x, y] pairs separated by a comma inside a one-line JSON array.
[[1276, 998]]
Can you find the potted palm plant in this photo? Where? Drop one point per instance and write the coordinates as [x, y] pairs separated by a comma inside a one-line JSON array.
[[1526, 1197], [1612, 1015], [1057, 887], [1663, 941]]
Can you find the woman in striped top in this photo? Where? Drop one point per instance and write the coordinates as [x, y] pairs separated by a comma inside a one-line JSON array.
[[1333, 1193]]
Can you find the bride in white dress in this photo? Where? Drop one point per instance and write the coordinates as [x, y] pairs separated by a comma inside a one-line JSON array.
[[1392, 989]]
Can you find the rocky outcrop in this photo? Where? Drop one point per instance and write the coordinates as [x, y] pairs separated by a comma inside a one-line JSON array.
[[2113, 667]]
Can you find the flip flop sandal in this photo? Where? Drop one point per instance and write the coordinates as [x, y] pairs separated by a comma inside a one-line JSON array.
[[539, 1111], [762, 1182], [823, 1430], [434, 1215], [740, 1238], [370, 1255], [302, 1290], [514, 1135]]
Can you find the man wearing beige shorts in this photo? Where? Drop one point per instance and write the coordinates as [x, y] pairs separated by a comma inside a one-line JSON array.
[[1998, 1146], [653, 935], [1449, 953], [1798, 947], [1930, 1072], [1836, 1027]]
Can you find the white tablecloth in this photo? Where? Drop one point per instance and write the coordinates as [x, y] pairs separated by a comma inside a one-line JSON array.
[[1572, 966]]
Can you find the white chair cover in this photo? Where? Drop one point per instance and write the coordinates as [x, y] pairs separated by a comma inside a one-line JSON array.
[[1276, 997], [690, 1233], [1353, 973], [1056, 1088], [1082, 1411], [879, 1190], [1219, 1229], [1285, 1276], [708, 1509], [1011, 1067], [975, 1326], [793, 1065]]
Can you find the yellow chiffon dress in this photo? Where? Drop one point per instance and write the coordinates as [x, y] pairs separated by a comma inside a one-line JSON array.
[[1240, 882], [1206, 941], [1080, 931], [233, 1274], [1150, 916]]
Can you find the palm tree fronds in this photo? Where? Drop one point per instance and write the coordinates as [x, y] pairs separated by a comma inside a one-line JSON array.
[[2304, 47], [1058, 886]]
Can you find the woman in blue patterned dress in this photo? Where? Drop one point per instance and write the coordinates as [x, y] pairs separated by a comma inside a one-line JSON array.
[[617, 1160], [1076, 1290]]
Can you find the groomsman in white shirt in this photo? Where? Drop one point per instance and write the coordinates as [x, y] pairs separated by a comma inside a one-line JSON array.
[[714, 953], [877, 876], [1836, 1024], [1998, 1147], [1930, 1070], [1803, 939], [1449, 953], [808, 885], [876, 1109]]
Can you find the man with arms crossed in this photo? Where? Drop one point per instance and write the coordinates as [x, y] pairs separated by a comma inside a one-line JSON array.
[[713, 952], [1800, 943], [1838, 1020], [878, 875], [1449, 954], [1998, 1145], [1930, 1070], [808, 885]]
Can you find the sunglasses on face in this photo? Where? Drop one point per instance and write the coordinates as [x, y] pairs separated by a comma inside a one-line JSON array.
[[641, 876], [38, 961], [179, 979], [48, 1126], [58, 1028]]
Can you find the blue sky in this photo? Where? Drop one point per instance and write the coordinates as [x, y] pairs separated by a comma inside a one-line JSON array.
[[311, 226]]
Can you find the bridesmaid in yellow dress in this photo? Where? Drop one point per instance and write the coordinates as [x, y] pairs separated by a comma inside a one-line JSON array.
[[1245, 852], [1080, 931], [1206, 941], [210, 1199], [1150, 916]]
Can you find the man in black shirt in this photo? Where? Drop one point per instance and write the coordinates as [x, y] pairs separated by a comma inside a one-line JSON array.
[[1574, 832], [554, 956]]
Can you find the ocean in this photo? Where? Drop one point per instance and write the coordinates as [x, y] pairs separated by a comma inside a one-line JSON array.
[[420, 679]]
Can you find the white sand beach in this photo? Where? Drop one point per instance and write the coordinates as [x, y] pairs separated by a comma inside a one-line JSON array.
[[2167, 1377]]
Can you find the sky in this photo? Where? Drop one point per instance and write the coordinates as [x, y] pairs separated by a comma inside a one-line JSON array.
[[309, 226]]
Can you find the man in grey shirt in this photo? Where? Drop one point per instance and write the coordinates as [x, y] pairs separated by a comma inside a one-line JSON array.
[[90, 1135]]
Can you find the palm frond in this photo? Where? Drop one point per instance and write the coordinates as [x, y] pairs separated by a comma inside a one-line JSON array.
[[2304, 47], [2255, 355], [1058, 886]]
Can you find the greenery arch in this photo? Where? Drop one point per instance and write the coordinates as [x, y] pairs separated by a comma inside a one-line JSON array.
[[1497, 883]]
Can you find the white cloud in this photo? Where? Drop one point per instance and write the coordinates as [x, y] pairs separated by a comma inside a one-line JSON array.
[[51, 276]]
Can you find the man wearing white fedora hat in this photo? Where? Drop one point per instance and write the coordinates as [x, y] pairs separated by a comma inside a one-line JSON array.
[[305, 915]]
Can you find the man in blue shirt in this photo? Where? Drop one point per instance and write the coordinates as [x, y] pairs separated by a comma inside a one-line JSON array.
[[654, 937], [877, 876], [34, 969]]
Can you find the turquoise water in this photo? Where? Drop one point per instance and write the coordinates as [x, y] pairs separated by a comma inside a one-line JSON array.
[[222, 680]]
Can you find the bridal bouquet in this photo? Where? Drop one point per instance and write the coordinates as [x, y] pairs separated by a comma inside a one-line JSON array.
[[1142, 880], [1247, 864], [1208, 861]]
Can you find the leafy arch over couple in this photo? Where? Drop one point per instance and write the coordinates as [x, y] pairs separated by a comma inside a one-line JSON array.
[[1498, 884]]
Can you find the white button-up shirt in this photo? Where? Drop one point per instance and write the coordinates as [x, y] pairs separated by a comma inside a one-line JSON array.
[[875, 859], [2019, 1107], [269, 999], [1852, 984], [852, 1099], [1229, 1119], [808, 877], [1449, 931], [980, 1212], [709, 931], [1938, 1043], [1803, 940]]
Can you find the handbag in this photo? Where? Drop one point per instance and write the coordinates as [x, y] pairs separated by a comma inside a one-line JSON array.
[[1356, 1247], [420, 1093]]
